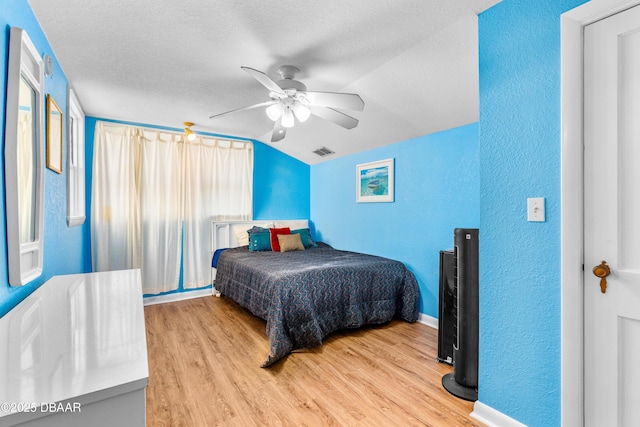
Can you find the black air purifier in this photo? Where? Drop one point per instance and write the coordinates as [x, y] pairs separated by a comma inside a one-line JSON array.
[[463, 381]]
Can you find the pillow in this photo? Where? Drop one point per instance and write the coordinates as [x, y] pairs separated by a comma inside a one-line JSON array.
[[240, 231], [275, 246], [290, 242], [256, 229], [259, 240], [293, 224], [305, 237], [241, 234]]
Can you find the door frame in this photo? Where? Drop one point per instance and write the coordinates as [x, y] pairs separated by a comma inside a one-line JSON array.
[[572, 25]]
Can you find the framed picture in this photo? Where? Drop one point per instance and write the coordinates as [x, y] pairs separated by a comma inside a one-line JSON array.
[[54, 135], [374, 182]]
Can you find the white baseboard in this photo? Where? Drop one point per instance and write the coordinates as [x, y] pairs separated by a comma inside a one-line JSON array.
[[178, 296], [428, 320], [491, 417]]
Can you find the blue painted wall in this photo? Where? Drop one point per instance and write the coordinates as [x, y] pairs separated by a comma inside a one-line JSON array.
[[280, 185], [436, 190], [64, 247], [519, 260]]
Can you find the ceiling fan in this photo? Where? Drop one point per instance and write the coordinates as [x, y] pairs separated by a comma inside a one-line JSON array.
[[290, 100]]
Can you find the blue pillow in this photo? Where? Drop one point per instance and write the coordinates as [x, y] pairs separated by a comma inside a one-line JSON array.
[[259, 241], [305, 236], [256, 229]]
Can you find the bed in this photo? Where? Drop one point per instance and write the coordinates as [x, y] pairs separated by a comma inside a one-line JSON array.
[[304, 295]]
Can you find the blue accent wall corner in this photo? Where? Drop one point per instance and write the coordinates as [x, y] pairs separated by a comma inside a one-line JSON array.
[[280, 185]]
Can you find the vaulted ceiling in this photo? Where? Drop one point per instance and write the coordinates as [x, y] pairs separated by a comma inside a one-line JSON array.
[[163, 62]]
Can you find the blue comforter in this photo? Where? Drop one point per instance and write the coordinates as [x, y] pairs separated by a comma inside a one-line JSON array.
[[306, 295]]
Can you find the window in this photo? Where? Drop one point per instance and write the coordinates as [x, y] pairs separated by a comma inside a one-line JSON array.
[[75, 163]]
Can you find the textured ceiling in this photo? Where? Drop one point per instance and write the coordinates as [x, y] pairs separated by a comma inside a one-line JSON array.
[[163, 62]]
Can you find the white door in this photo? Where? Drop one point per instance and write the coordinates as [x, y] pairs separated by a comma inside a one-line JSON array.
[[612, 220]]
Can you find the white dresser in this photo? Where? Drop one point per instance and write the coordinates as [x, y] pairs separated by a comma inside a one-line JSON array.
[[74, 353]]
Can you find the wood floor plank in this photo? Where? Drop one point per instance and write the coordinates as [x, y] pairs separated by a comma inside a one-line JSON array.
[[204, 370]]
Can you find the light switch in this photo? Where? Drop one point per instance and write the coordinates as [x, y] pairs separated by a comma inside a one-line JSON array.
[[535, 209]]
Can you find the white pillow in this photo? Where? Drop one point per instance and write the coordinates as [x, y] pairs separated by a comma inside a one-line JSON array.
[[293, 224]]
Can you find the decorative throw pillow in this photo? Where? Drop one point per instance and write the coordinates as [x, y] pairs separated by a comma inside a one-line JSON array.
[[259, 241], [305, 237], [256, 229], [290, 242], [241, 234], [275, 246]]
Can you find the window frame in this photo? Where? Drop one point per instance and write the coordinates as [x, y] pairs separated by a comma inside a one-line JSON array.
[[76, 206]]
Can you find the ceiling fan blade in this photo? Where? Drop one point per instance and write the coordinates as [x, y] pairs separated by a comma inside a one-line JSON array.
[[265, 80], [279, 131], [343, 101], [334, 116], [250, 107]]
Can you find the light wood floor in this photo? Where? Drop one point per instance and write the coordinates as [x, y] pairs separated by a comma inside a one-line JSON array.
[[204, 370]]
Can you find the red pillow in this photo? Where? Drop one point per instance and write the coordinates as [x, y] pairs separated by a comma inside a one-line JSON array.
[[273, 233]]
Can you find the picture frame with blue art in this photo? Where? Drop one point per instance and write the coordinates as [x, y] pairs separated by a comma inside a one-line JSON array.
[[375, 182]]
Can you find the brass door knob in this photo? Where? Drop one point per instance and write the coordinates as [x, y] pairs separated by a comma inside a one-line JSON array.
[[602, 270]]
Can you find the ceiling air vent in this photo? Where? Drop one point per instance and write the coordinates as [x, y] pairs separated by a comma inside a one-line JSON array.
[[324, 151]]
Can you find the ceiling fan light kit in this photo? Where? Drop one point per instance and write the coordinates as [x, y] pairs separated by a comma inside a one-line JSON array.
[[287, 118], [301, 111], [274, 112], [290, 100]]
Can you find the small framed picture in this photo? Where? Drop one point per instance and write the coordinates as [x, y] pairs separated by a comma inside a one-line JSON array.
[[54, 135], [375, 182]]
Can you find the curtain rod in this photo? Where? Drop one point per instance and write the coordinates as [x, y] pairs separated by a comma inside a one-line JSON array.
[[178, 132]]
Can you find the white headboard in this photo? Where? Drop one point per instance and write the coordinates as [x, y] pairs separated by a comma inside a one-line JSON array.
[[229, 234]]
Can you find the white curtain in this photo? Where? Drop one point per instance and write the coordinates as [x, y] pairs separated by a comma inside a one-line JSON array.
[[115, 219], [160, 211], [218, 185], [147, 184]]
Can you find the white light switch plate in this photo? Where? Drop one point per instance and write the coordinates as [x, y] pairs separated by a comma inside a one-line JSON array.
[[535, 209]]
